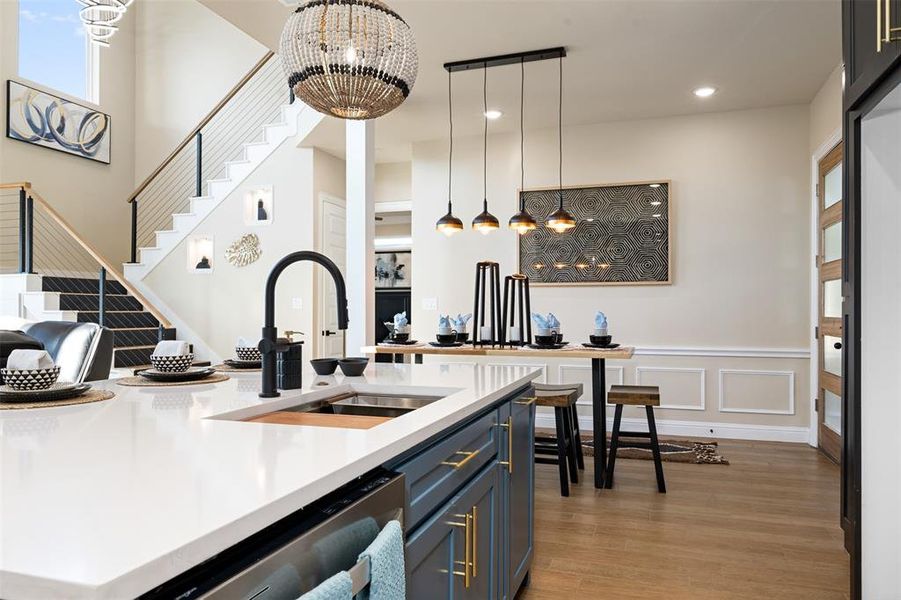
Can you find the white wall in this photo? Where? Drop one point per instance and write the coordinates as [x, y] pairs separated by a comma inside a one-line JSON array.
[[393, 182], [89, 194], [186, 59], [740, 235], [228, 302], [880, 329], [826, 110]]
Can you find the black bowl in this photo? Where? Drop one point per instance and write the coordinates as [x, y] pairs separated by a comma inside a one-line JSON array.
[[446, 338], [353, 366], [462, 337], [600, 340], [400, 337], [324, 366], [546, 340], [558, 338]]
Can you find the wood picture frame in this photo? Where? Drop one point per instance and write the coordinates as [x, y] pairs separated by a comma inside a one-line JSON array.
[[592, 217]]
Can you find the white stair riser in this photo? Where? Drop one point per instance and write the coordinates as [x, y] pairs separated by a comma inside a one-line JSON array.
[[218, 189], [44, 306]]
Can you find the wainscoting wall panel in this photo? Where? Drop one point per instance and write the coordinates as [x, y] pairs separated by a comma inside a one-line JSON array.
[[757, 391], [582, 374], [681, 388]]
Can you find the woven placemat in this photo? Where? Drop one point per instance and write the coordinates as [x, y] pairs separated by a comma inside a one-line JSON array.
[[223, 368], [143, 382], [92, 395]]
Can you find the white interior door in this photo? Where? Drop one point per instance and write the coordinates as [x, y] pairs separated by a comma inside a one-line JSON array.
[[332, 243]]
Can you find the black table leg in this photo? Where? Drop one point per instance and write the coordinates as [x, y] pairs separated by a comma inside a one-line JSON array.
[[599, 418], [417, 358]]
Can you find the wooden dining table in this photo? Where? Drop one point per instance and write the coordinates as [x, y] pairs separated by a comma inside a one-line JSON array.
[[597, 356]]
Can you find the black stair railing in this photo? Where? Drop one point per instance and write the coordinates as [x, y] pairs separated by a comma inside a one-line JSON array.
[[236, 119]]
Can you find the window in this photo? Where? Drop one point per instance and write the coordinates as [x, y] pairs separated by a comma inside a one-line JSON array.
[[53, 48]]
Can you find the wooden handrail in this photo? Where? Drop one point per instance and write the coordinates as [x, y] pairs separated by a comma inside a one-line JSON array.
[[203, 123], [96, 255], [16, 185]]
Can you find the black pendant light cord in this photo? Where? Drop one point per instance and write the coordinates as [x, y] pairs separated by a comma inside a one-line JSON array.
[[522, 135], [560, 132], [450, 149], [485, 145]]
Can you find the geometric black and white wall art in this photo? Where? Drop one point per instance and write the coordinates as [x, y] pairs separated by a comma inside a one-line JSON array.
[[622, 236]]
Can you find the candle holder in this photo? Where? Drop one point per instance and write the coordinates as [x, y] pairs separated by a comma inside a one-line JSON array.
[[516, 286], [488, 282]]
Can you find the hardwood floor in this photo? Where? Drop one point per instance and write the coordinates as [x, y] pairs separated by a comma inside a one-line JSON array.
[[764, 527]]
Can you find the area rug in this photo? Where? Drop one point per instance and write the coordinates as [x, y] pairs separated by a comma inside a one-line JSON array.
[[683, 451]]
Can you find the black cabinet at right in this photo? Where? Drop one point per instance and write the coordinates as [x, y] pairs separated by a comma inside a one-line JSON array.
[[872, 42]]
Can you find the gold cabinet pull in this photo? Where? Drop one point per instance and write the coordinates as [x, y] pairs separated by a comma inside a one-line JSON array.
[[466, 563], [475, 541], [460, 464], [526, 401], [509, 462], [879, 25]]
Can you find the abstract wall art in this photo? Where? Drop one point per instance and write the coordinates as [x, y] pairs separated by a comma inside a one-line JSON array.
[[244, 251], [622, 236], [393, 269], [42, 119]]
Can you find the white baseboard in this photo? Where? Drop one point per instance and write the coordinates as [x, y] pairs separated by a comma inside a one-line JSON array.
[[732, 431]]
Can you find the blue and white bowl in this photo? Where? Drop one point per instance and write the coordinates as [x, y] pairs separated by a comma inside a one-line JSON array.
[[30, 379], [172, 364]]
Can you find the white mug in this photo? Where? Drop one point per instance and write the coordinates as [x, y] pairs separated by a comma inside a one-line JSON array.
[[446, 330], [602, 331], [404, 329]]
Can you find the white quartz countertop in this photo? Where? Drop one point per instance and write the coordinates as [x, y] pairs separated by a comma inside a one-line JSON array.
[[110, 499]]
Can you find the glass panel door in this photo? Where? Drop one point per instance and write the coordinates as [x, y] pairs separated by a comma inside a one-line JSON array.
[[829, 368]]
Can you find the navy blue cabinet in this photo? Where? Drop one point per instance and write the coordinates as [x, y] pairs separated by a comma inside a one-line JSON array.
[[470, 506]]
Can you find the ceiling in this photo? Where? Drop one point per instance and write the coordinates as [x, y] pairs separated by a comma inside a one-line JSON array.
[[627, 59]]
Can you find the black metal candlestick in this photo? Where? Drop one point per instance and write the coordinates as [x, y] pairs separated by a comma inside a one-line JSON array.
[[488, 281], [517, 285]]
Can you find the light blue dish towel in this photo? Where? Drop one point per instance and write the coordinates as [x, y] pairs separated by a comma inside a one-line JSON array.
[[386, 565], [336, 587]]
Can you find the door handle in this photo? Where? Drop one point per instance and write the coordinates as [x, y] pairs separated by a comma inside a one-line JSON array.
[[837, 345], [885, 33], [509, 427], [327, 333], [467, 563]]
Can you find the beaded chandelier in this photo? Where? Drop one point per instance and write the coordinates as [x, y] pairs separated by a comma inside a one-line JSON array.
[[353, 59]]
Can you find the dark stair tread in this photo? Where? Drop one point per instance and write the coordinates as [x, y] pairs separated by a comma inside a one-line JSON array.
[[117, 319], [77, 284], [91, 302], [135, 336]]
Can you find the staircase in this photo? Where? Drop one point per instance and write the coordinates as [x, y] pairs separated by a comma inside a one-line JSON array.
[[136, 331]]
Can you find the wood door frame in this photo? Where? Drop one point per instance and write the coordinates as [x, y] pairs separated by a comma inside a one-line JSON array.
[[829, 442], [825, 148], [323, 198]]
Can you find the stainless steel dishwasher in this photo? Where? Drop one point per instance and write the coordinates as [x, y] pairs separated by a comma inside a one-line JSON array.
[[301, 551]]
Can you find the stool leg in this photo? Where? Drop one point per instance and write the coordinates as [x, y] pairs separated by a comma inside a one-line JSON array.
[[561, 452], [577, 435], [570, 446], [655, 447], [614, 444]]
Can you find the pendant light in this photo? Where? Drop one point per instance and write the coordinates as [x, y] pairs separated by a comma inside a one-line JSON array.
[[560, 220], [449, 224], [352, 59], [522, 222], [485, 222]]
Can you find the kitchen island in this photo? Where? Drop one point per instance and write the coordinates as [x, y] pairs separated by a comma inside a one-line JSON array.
[[111, 499]]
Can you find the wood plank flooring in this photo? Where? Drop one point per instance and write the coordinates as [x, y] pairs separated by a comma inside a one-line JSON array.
[[764, 527]]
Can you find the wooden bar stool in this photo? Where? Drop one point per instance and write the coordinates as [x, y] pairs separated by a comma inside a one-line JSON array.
[[566, 445], [635, 395]]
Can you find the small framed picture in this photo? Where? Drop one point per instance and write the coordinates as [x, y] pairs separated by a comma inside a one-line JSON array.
[[201, 253], [258, 206], [393, 270]]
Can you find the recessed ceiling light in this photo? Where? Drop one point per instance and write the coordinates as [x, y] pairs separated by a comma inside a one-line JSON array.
[[656, 215], [705, 92], [655, 203], [493, 114], [654, 185]]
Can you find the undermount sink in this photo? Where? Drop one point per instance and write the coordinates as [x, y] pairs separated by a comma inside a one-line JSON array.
[[350, 410]]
